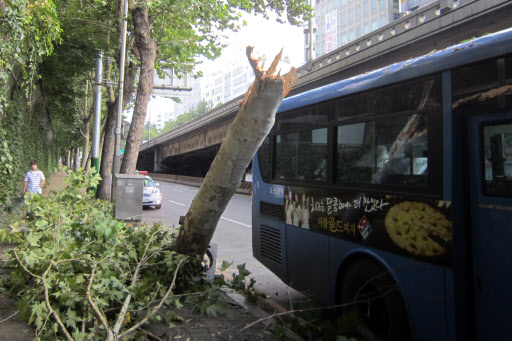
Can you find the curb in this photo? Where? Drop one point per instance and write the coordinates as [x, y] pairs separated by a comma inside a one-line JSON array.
[[256, 311]]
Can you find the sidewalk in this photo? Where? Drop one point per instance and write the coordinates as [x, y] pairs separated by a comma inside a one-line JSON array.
[[193, 327], [55, 182]]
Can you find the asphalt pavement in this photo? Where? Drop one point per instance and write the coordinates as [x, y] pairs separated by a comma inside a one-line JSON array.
[[233, 236]]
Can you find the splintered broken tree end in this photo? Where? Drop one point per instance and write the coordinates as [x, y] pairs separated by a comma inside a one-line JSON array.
[[261, 75]]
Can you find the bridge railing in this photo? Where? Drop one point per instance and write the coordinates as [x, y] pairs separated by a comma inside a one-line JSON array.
[[226, 109]]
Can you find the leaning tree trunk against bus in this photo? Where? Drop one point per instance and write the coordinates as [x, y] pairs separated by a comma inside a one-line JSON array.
[[245, 135]]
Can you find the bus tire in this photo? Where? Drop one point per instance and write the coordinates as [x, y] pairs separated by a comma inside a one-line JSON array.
[[372, 294]]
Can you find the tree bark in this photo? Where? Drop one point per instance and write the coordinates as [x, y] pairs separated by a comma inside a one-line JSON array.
[[147, 49], [245, 135], [76, 162], [108, 137], [107, 153], [68, 158]]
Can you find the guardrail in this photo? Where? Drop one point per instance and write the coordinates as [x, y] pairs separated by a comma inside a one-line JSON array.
[[243, 188]]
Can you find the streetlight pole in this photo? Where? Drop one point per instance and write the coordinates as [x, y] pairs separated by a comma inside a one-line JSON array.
[[117, 150], [95, 154], [149, 119]]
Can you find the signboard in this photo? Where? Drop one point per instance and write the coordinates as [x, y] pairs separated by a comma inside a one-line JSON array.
[[417, 228], [403, 6], [328, 46], [171, 84], [334, 29]]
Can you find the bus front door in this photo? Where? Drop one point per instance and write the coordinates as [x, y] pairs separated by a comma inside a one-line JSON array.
[[490, 179]]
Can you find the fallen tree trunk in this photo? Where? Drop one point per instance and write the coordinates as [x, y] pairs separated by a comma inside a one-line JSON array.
[[253, 122]]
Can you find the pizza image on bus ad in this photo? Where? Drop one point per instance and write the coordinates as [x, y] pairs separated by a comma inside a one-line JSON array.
[[417, 228]]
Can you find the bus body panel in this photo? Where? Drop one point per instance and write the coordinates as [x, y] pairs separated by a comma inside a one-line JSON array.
[[309, 271], [420, 284], [491, 223], [470, 298], [274, 241]]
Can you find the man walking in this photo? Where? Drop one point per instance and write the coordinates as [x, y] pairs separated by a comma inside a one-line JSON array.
[[34, 180]]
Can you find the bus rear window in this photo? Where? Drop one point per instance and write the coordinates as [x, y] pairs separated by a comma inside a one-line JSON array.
[[391, 151], [302, 155]]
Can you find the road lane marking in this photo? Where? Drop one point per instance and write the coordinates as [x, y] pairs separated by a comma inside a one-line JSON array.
[[236, 222], [177, 203], [177, 190]]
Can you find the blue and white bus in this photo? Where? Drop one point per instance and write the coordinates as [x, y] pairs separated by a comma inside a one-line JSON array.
[[393, 189]]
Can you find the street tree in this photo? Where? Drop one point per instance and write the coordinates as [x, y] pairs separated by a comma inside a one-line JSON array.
[[130, 73], [65, 73], [173, 34], [28, 31], [251, 125]]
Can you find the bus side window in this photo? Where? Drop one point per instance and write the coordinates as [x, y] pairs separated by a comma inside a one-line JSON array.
[[498, 159], [356, 153], [384, 151], [302, 155]]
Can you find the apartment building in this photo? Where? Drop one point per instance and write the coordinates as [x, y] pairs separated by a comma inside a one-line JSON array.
[[338, 22]]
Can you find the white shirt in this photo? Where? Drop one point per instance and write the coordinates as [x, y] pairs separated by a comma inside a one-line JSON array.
[[34, 180]]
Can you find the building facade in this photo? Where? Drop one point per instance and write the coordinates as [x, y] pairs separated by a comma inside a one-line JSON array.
[[231, 80], [338, 22], [189, 102]]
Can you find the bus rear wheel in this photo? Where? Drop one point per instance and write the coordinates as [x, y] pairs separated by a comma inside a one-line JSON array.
[[372, 295]]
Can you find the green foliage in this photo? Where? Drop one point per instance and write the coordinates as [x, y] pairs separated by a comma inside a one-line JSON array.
[[185, 30], [202, 108], [146, 134], [71, 240], [24, 136], [239, 282], [28, 29]]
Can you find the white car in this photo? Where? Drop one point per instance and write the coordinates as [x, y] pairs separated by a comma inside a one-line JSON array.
[[152, 195]]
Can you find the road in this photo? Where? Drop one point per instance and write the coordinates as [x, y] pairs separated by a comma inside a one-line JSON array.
[[233, 236]]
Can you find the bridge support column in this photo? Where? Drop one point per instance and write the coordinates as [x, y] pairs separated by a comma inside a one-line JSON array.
[[157, 159]]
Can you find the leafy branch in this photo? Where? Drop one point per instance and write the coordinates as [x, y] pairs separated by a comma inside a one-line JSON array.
[[74, 265]]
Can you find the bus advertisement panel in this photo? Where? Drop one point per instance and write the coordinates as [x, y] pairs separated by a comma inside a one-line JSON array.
[[419, 228]]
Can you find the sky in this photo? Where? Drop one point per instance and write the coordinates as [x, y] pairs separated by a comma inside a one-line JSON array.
[[267, 37]]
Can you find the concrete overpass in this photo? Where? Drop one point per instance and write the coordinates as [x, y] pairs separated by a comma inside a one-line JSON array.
[[189, 149]]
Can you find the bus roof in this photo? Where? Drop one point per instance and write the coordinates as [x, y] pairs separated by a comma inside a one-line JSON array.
[[496, 44]]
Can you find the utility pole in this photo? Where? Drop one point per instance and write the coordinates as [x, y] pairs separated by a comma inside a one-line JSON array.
[[117, 151], [95, 153], [149, 119]]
